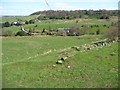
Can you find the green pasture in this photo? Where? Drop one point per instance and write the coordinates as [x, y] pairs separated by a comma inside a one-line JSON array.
[[15, 18], [28, 63], [56, 24]]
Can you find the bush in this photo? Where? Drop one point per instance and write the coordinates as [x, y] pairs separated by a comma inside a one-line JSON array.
[[6, 24], [21, 33], [31, 22], [98, 31], [0, 32], [111, 33], [104, 17], [26, 22], [84, 29], [7, 33], [74, 31]]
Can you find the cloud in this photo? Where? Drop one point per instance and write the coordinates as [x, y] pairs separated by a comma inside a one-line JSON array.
[[82, 0], [1, 10], [82, 6], [22, 0], [21, 11], [60, 1], [1, 7], [27, 7]]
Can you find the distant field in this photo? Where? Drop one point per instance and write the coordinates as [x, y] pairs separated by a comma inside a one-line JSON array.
[[15, 18], [55, 24], [28, 63]]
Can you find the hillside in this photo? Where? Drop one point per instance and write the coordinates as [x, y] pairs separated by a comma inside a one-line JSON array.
[[60, 49], [62, 14], [30, 62]]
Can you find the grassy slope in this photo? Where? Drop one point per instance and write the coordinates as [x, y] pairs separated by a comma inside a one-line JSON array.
[[98, 67], [38, 45], [55, 24], [14, 19], [95, 68]]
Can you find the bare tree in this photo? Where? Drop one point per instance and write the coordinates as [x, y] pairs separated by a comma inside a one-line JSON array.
[[111, 33]]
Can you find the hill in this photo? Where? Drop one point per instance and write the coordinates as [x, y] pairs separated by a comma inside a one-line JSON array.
[[62, 14], [55, 59], [30, 62]]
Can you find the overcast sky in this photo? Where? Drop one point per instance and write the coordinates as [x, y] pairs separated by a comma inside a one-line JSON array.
[[26, 7]]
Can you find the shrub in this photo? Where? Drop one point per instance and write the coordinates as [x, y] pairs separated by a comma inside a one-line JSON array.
[[104, 17], [7, 33], [0, 32], [67, 17], [111, 33], [84, 29], [26, 22], [74, 31], [21, 33], [104, 25], [6, 24], [98, 31], [35, 25], [31, 21]]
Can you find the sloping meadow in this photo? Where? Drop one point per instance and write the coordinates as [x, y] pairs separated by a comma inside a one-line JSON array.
[[30, 62]]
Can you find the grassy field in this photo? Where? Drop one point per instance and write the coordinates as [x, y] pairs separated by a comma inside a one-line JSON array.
[[28, 62], [55, 24], [15, 18]]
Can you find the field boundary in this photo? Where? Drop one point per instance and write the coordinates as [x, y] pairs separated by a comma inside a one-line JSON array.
[[44, 53], [85, 47]]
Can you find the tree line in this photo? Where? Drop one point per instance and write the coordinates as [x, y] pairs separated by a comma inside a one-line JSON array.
[[62, 14]]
